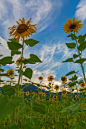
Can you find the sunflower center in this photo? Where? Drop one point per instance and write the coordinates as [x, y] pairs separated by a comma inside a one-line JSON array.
[[72, 26], [10, 73], [22, 28]]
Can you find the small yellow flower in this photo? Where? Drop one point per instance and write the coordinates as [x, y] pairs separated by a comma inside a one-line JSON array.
[[64, 91], [53, 127], [76, 96], [70, 86], [50, 78], [64, 95], [64, 79], [33, 92], [21, 90], [72, 99], [82, 84], [44, 94], [84, 104], [55, 101], [55, 97], [40, 78], [38, 98], [27, 93], [10, 73], [15, 94], [18, 62], [41, 93], [25, 99], [56, 87]]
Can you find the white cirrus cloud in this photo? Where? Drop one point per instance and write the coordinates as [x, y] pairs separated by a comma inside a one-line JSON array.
[[81, 10]]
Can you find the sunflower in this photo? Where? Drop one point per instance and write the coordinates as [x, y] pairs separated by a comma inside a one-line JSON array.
[[56, 87], [70, 86], [55, 97], [50, 78], [82, 84], [81, 89], [38, 99], [4, 85], [64, 91], [10, 73], [22, 30], [64, 79], [76, 96], [27, 93], [72, 25], [43, 94], [18, 61], [40, 78]]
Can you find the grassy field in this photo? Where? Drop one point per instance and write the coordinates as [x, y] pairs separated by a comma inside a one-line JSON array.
[[68, 112]]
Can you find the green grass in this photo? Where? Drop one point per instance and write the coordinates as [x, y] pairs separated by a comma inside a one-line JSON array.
[[52, 118]]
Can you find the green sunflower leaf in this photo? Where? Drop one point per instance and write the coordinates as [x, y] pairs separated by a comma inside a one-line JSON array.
[[81, 38], [39, 108], [68, 60], [72, 72], [75, 55], [71, 45], [28, 73], [31, 42], [13, 52], [6, 60], [73, 36], [82, 46], [32, 60], [8, 105], [14, 45], [80, 61]]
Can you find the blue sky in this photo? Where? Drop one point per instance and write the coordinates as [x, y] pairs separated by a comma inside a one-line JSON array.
[[49, 16]]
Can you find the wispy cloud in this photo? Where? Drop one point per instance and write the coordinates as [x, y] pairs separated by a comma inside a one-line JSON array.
[[39, 10], [81, 10]]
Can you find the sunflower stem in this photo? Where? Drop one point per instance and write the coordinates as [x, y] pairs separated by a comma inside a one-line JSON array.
[[81, 64], [13, 118], [0, 73], [20, 70]]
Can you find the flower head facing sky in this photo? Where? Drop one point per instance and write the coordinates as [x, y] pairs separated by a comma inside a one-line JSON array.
[[70, 26], [18, 62], [10, 73], [50, 78], [22, 30]]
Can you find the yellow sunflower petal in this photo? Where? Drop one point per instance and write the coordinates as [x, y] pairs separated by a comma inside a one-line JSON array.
[[28, 22], [18, 23], [23, 20]]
